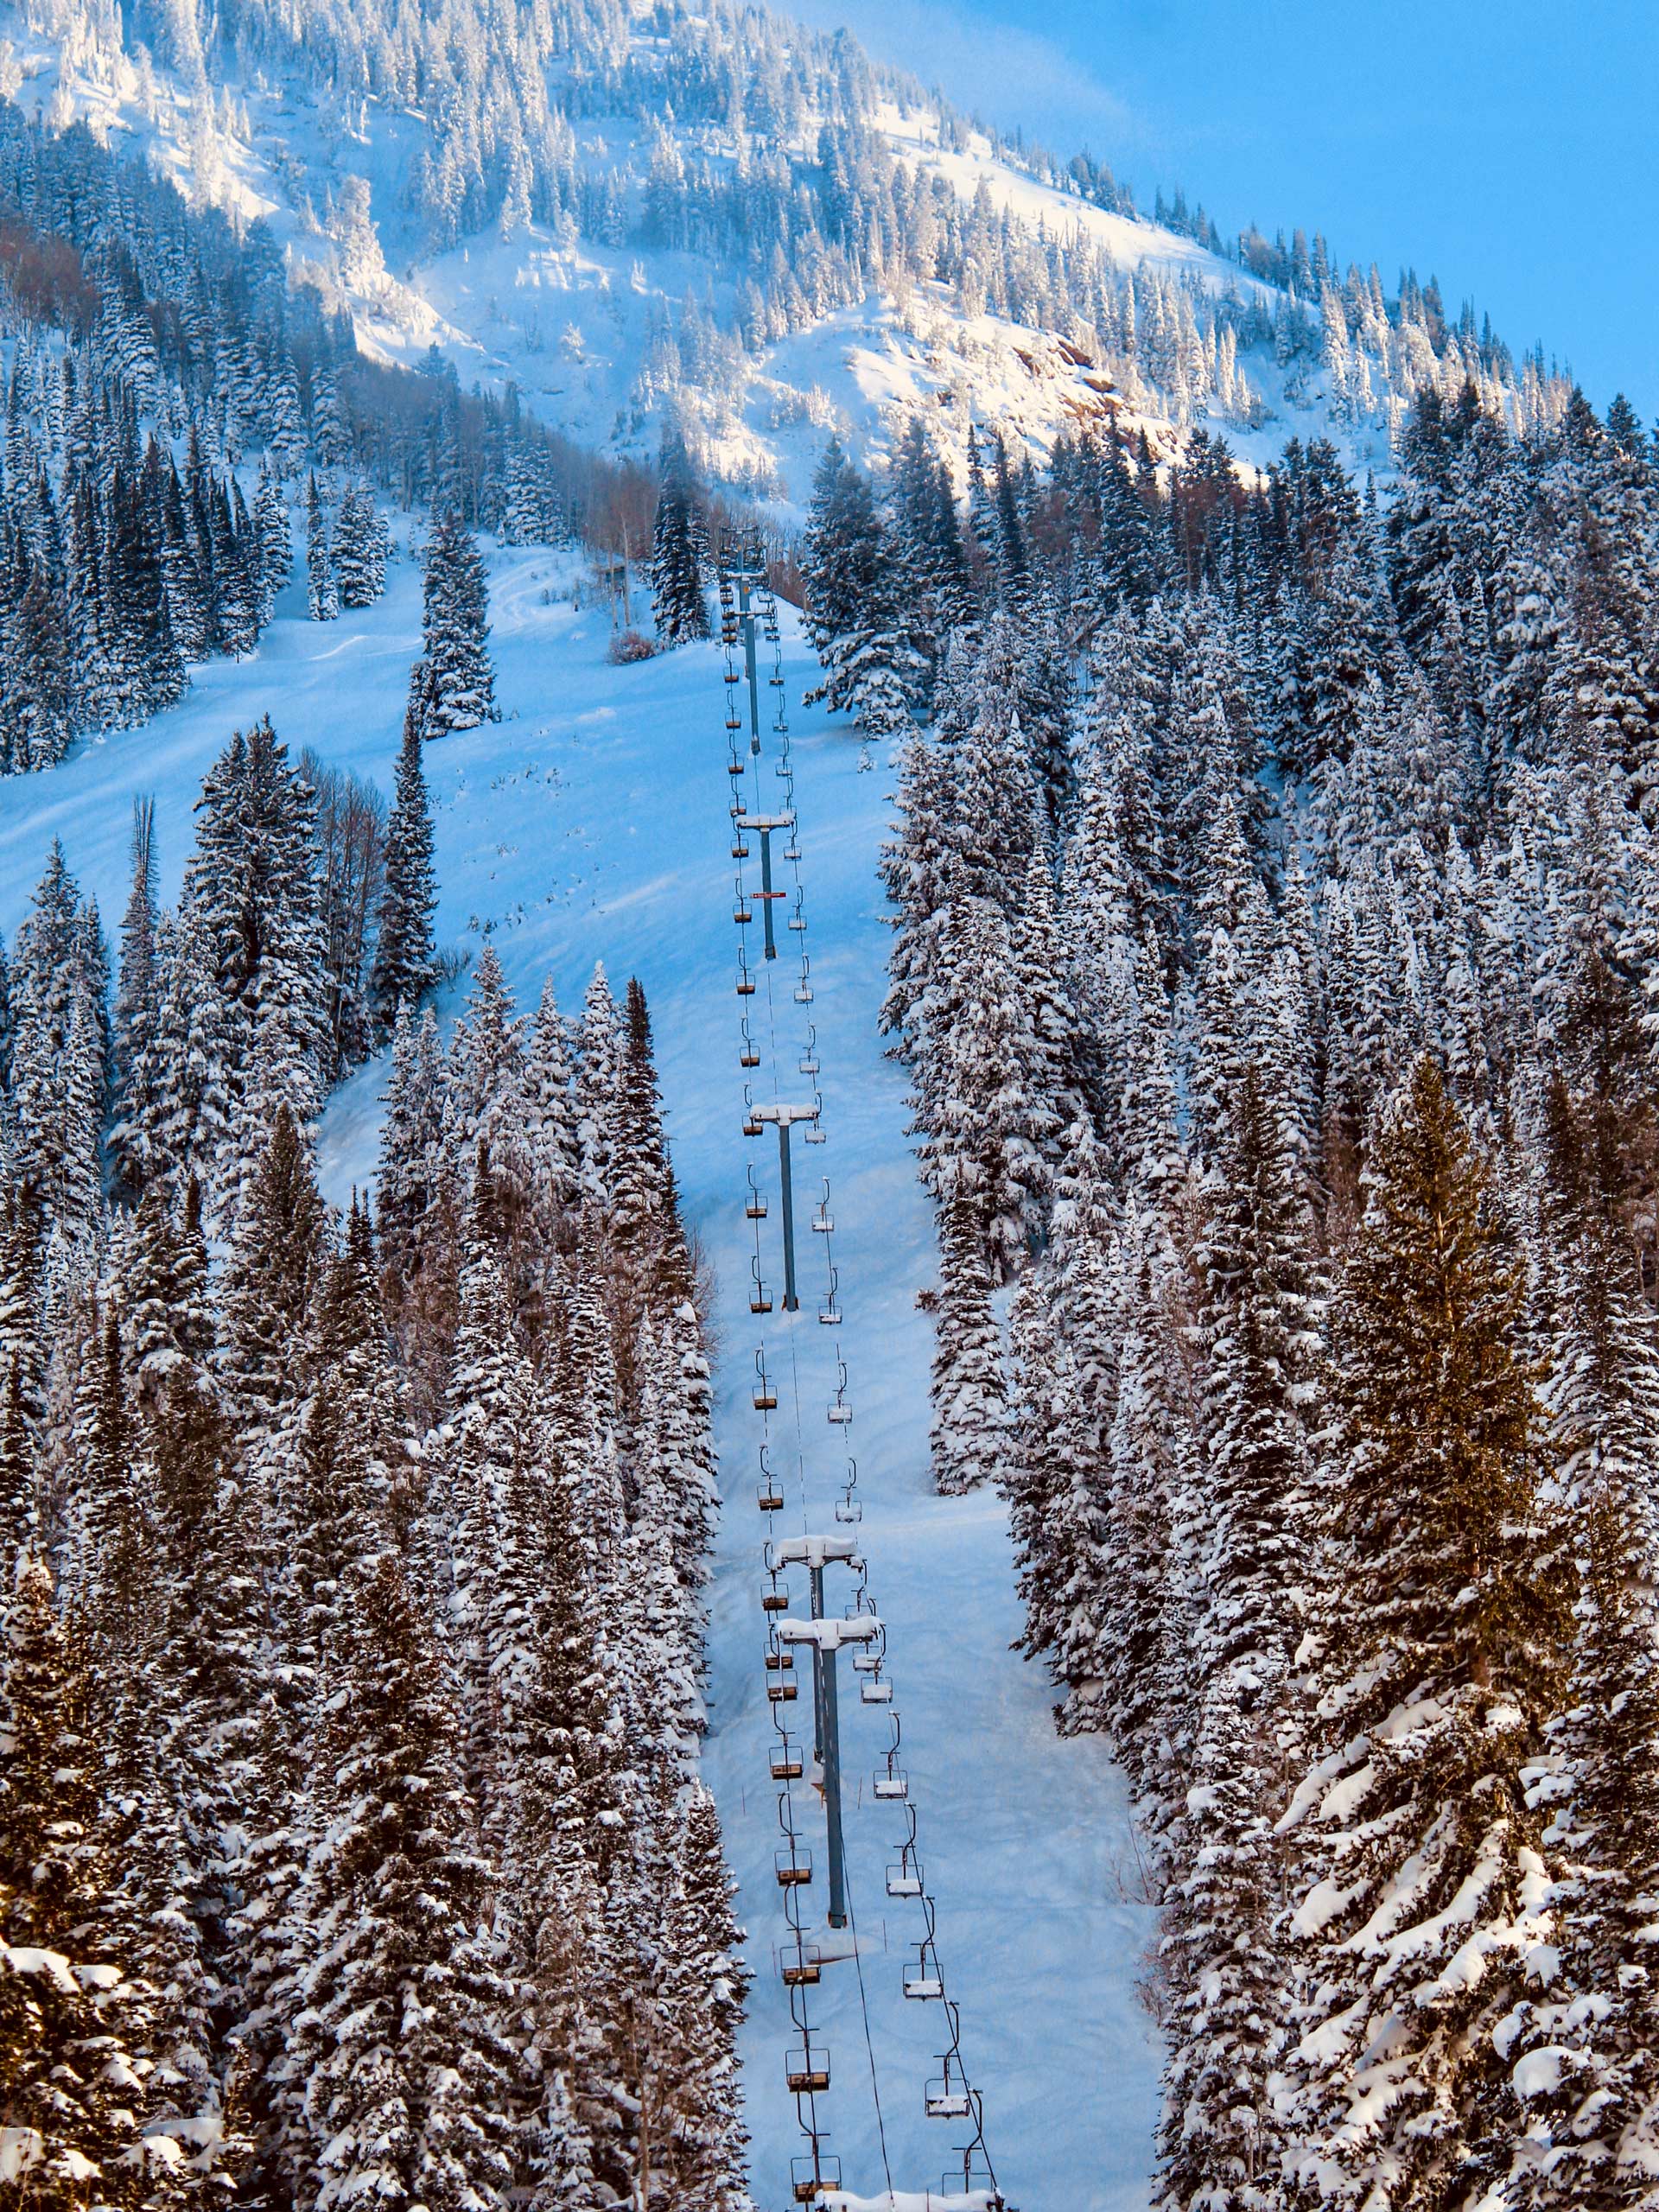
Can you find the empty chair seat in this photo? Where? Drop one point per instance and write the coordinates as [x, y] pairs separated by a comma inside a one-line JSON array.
[[806, 2070], [793, 1866]]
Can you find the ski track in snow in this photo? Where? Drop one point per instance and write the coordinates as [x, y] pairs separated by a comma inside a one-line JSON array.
[[591, 822]]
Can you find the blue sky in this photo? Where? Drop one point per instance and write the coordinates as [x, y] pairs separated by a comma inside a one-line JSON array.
[[1506, 146]]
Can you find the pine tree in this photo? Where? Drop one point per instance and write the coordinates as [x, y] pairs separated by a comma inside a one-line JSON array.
[[79, 2113], [1443, 1632], [406, 2100], [871, 667], [405, 966], [455, 632], [322, 593], [679, 597], [137, 1002], [970, 1395]]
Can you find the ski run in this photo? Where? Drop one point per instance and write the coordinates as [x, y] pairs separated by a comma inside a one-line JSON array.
[[590, 822]]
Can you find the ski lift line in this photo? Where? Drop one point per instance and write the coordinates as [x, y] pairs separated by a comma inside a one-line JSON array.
[[953, 2062]]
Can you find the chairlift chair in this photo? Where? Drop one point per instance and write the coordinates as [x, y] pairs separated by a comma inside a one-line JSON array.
[[787, 1764], [877, 1690], [806, 2070], [922, 1977], [815, 2176], [775, 1600], [849, 1510], [904, 1880], [889, 1786], [793, 1866], [947, 2097], [769, 1498], [803, 1969]]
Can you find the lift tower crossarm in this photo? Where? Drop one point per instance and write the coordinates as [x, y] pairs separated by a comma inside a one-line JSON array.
[[814, 1551], [830, 1635]]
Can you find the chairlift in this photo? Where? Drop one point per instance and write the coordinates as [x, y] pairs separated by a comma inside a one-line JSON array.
[[739, 851], [889, 1786], [808, 1063], [783, 1692], [803, 993], [839, 1415], [829, 1316], [775, 1600], [755, 1210], [769, 1498], [780, 1661], [815, 2176], [745, 982], [948, 2097], [805, 1970], [787, 1764], [904, 1880], [876, 1690], [748, 1057], [793, 1866], [806, 2072], [923, 1979], [848, 1509]]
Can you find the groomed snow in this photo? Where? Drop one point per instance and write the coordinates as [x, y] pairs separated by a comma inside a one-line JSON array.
[[591, 821]]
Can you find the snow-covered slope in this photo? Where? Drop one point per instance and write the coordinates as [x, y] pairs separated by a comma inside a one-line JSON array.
[[591, 822], [579, 326]]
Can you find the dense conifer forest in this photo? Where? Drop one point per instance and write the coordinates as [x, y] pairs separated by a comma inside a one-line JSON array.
[[1274, 885], [350, 1836], [1274, 967]]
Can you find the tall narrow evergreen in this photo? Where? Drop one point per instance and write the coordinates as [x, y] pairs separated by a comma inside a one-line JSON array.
[[679, 596], [405, 966], [460, 676]]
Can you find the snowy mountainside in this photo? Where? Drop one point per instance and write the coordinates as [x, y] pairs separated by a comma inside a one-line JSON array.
[[657, 250], [590, 821]]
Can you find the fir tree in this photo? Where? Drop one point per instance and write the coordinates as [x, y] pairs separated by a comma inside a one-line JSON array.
[[454, 633], [679, 598], [405, 966]]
